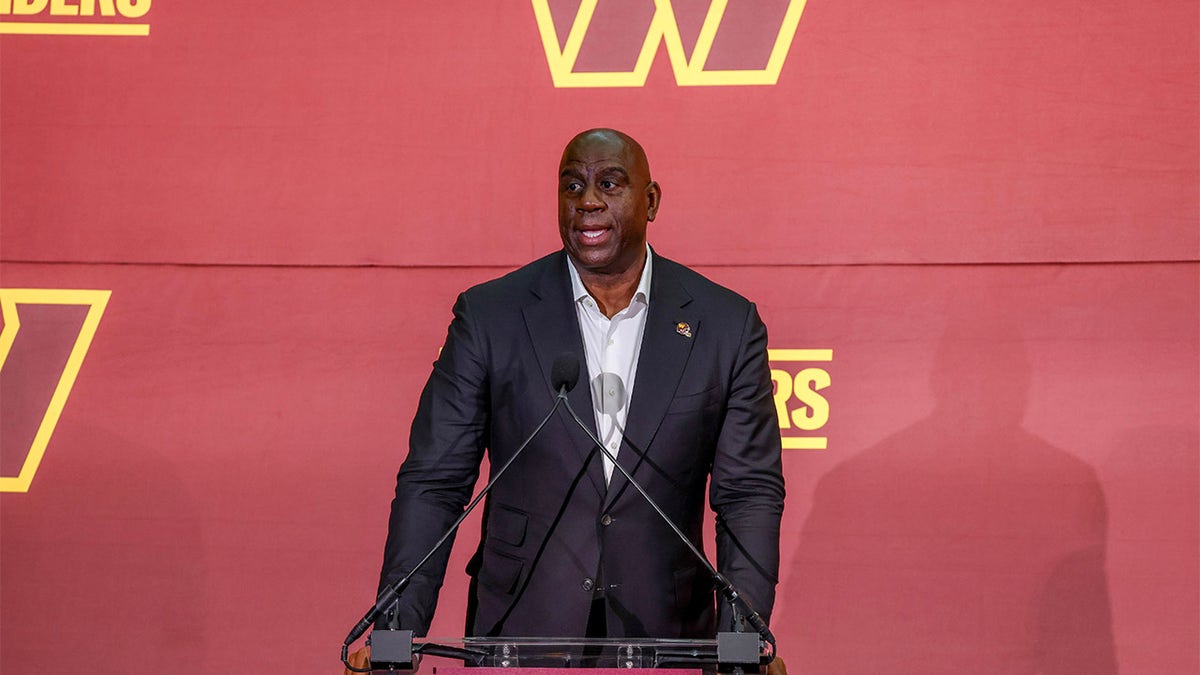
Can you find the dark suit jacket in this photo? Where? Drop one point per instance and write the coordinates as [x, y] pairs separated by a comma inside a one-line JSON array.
[[701, 406]]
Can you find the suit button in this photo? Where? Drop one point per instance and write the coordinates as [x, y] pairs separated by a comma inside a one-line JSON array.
[[588, 584], [606, 520]]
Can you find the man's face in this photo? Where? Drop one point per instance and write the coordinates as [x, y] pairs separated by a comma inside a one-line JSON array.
[[605, 199]]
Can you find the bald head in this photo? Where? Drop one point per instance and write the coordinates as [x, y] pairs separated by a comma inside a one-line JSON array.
[[636, 155]]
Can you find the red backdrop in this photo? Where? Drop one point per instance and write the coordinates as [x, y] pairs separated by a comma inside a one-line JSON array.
[[988, 213]]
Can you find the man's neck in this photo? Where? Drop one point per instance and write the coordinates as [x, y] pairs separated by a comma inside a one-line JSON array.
[[612, 295], [613, 292]]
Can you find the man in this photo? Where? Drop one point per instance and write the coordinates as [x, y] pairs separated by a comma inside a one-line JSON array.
[[678, 388]]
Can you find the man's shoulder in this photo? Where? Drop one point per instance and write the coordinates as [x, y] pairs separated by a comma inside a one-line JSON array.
[[697, 285], [516, 284]]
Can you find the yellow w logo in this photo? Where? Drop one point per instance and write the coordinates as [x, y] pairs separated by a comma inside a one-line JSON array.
[[664, 27], [42, 346]]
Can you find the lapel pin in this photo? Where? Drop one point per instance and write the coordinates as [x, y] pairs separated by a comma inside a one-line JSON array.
[[683, 329]]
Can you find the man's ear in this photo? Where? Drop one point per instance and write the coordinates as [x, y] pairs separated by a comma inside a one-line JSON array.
[[653, 199]]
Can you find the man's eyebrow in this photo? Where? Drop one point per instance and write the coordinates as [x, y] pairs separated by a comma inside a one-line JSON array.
[[570, 171], [615, 169]]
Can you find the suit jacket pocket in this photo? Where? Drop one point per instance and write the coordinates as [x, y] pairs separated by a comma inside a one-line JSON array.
[[688, 402], [508, 525], [499, 572]]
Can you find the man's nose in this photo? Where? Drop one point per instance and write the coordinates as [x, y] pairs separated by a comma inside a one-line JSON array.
[[591, 200]]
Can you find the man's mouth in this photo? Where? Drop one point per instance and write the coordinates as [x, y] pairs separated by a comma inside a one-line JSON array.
[[593, 236]]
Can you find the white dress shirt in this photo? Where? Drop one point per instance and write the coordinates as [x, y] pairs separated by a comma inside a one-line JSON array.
[[612, 347]]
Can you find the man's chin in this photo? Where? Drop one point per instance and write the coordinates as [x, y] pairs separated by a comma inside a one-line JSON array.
[[605, 263], [592, 262]]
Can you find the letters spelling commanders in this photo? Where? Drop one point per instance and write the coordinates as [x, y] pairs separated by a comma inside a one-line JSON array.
[[801, 383], [130, 9]]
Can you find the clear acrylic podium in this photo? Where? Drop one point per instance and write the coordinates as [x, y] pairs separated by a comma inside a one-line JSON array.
[[729, 652]]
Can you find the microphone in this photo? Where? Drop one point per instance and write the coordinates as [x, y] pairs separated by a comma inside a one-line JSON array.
[[564, 374], [570, 363]]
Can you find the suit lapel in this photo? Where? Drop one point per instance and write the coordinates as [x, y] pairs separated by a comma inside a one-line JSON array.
[[554, 329], [665, 351]]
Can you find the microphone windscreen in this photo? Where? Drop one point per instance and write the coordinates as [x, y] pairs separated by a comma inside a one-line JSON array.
[[565, 372]]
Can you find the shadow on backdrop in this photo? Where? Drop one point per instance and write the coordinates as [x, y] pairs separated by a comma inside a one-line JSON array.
[[962, 543], [1152, 481]]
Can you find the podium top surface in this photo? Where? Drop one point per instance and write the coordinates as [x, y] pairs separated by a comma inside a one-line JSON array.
[[487, 670]]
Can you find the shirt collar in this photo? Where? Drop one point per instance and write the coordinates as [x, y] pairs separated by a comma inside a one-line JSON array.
[[642, 294]]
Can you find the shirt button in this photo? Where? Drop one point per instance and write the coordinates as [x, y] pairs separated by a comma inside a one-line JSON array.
[[606, 520], [588, 584], [613, 445]]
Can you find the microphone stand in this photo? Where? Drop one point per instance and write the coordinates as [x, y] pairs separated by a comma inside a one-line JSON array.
[[726, 588], [393, 590]]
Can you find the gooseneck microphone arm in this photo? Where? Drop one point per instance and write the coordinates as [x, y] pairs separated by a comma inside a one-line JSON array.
[[563, 376], [724, 586]]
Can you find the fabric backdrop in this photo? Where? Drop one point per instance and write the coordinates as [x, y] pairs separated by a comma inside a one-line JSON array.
[[231, 234]]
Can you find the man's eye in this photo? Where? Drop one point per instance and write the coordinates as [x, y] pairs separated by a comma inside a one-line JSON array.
[[607, 185], [573, 187]]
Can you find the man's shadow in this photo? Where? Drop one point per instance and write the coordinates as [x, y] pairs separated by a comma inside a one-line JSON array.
[[962, 543]]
